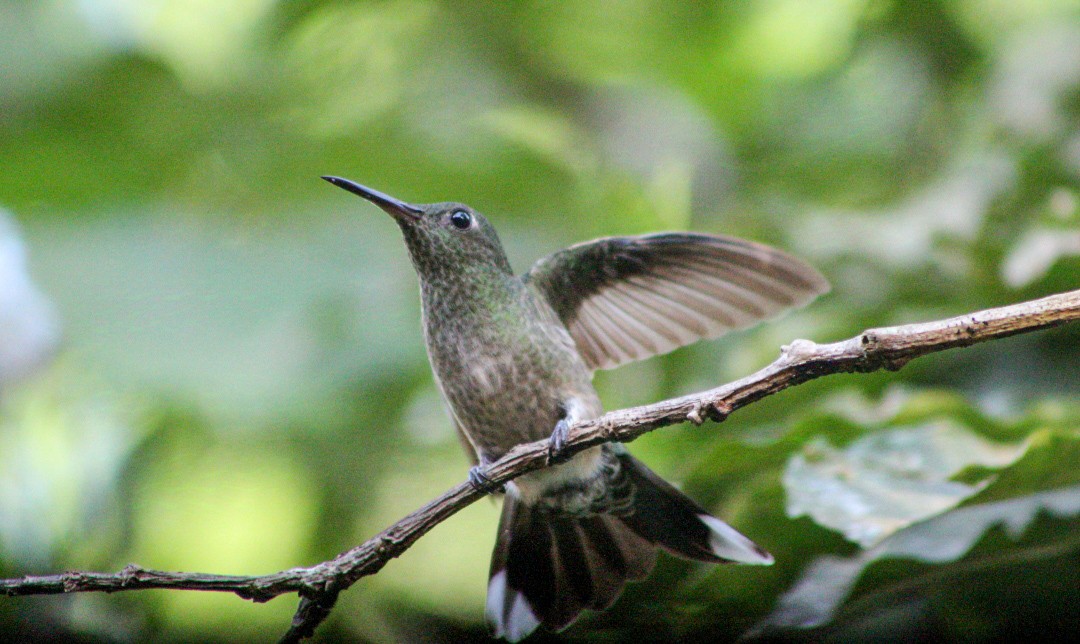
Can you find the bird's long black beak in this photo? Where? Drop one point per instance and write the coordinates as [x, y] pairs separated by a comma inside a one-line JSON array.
[[395, 207]]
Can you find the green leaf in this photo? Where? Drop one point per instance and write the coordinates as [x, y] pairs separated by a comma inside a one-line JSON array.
[[890, 479], [815, 597]]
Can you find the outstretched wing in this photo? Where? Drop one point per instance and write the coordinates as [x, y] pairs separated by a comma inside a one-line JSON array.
[[628, 298]]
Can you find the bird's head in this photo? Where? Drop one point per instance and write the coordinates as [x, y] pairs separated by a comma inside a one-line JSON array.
[[446, 240]]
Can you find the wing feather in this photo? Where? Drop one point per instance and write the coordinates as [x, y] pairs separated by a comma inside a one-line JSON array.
[[627, 298]]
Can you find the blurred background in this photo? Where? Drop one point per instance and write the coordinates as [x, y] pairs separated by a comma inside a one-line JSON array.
[[210, 360]]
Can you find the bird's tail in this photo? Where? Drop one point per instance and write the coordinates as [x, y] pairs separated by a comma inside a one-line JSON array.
[[548, 567]]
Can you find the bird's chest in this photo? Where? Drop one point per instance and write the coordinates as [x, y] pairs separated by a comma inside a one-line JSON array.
[[487, 371], [491, 368], [503, 371]]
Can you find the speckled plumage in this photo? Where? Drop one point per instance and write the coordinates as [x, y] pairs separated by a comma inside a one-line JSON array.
[[502, 357], [514, 356]]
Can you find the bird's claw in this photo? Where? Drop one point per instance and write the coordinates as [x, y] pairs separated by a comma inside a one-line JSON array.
[[557, 442], [482, 482]]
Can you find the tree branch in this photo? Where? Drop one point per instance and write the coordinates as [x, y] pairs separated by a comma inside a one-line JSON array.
[[802, 360]]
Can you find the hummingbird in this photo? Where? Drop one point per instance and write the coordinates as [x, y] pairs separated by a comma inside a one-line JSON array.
[[513, 357]]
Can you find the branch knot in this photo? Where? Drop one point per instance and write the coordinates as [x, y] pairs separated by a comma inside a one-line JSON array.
[[694, 415], [73, 581], [719, 411], [130, 574]]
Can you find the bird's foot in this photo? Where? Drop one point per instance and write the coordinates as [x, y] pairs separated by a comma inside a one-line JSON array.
[[557, 442], [482, 482]]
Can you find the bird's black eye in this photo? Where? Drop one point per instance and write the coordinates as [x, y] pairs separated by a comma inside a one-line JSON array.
[[460, 219]]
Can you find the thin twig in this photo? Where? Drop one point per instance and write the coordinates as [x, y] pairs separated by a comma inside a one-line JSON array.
[[802, 360]]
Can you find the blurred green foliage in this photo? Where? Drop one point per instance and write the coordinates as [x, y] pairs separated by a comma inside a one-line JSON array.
[[240, 385]]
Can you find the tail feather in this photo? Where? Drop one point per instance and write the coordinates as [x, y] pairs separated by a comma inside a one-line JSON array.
[[606, 556], [673, 521], [522, 572], [548, 567], [574, 583], [617, 555]]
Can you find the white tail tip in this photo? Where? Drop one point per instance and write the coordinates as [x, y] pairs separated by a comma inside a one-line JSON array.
[[511, 622], [727, 543]]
